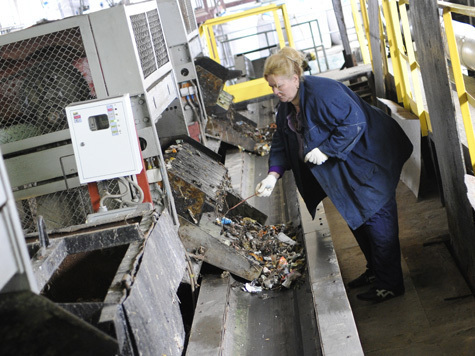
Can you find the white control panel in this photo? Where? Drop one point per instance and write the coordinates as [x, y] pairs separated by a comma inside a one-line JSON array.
[[104, 139]]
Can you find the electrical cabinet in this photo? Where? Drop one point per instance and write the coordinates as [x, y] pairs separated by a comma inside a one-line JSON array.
[[104, 139]]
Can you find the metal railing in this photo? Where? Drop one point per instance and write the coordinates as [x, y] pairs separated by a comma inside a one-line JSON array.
[[362, 31], [406, 71], [257, 87], [465, 99], [316, 47], [270, 44]]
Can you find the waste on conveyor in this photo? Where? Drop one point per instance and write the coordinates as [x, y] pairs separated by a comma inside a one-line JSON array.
[[275, 258], [274, 247], [223, 120]]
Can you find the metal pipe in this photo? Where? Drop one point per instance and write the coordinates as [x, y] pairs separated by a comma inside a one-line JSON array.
[[465, 38], [42, 234]]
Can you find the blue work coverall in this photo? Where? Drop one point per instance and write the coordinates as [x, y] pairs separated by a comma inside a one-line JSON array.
[[366, 150]]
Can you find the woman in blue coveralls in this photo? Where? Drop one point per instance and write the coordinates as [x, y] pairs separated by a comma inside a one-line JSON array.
[[338, 145]]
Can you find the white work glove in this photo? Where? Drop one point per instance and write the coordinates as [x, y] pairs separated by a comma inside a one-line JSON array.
[[266, 186], [316, 156]]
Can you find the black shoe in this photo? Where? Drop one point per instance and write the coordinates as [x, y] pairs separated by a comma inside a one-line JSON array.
[[364, 280], [378, 295]]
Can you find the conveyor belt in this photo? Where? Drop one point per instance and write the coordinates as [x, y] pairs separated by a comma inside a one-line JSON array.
[[230, 321]]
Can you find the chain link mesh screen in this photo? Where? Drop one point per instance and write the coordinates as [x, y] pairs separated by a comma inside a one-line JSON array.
[[64, 208], [39, 77], [59, 209]]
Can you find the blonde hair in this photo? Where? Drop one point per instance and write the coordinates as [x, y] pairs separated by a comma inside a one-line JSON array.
[[287, 62]]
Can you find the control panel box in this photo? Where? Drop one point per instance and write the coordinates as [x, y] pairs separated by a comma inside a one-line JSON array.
[[104, 138]]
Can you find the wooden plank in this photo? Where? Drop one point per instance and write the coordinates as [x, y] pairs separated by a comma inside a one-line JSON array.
[[189, 200], [336, 324], [222, 127], [152, 307], [429, 42], [217, 253], [197, 168], [375, 39], [196, 177], [206, 335], [170, 251], [153, 313], [348, 55]]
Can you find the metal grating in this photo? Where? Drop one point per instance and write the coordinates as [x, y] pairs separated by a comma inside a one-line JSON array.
[[188, 15], [150, 41], [59, 209], [158, 38], [64, 208], [39, 77], [144, 44]]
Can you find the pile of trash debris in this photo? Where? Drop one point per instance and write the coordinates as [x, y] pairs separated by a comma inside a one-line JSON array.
[[262, 136], [274, 247]]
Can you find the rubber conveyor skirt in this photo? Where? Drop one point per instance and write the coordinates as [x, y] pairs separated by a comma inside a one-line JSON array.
[[315, 319]]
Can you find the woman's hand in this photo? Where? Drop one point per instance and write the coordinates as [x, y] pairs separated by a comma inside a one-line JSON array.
[[266, 186], [316, 156]]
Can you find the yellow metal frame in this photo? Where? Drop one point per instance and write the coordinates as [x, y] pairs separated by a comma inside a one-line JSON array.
[[382, 47], [406, 70], [397, 51], [364, 14], [364, 45], [464, 98], [416, 101], [405, 66], [257, 87]]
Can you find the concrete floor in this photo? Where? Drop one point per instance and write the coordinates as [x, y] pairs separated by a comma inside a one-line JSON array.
[[436, 316]]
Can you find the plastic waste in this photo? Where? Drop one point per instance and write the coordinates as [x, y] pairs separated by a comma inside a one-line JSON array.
[[285, 239], [292, 276], [248, 287], [226, 221]]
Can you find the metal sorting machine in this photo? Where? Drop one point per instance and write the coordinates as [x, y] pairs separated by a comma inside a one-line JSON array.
[[113, 257]]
